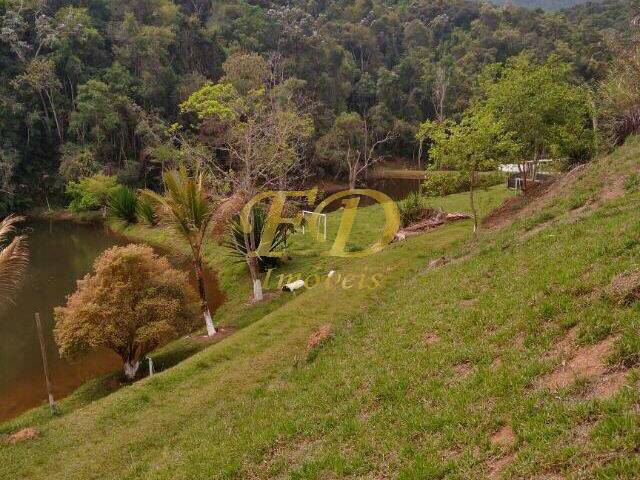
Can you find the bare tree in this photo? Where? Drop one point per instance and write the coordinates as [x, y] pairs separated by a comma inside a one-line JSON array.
[[368, 155], [353, 144], [439, 92], [259, 137]]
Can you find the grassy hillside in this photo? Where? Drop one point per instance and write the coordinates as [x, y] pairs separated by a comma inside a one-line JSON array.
[[513, 360]]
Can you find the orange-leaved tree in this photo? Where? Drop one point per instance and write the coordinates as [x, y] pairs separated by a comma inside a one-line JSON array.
[[132, 303]]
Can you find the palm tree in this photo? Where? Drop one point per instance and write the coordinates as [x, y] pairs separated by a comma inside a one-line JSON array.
[[14, 257], [188, 210]]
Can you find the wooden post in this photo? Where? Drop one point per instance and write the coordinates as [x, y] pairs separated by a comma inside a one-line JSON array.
[[43, 350]]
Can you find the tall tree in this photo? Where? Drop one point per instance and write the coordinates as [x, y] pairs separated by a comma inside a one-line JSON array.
[[188, 207], [353, 144], [261, 136], [538, 102], [478, 143]]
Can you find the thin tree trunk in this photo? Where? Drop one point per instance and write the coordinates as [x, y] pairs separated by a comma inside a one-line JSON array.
[[252, 262], [55, 116], [594, 124], [473, 203], [43, 350], [46, 113], [130, 369], [524, 177], [204, 305]]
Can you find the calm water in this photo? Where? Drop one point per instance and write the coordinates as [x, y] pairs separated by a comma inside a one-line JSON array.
[[397, 184], [61, 253]]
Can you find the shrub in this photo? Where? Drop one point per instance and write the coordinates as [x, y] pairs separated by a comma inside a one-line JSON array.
[[90, 193], [442, 183], [412, 208], [123, 205], [147, 212], [132, 303], [237, 245], [439, 184], [620, 97]]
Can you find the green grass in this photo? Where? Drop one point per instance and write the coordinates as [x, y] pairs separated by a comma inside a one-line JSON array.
[[380, 399], [237, 312]]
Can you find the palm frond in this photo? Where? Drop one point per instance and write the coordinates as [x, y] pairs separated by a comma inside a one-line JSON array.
[[8, 227], [14, 258]]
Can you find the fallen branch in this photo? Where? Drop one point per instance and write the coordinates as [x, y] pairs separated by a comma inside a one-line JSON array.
[[436, 221]]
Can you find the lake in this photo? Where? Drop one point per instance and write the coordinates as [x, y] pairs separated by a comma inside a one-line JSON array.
[[61, 253]]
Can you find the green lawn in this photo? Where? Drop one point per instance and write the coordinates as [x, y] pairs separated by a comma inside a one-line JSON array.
[[418, 376]]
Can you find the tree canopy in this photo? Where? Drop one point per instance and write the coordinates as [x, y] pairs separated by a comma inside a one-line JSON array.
[[131, 303], [95, 87]]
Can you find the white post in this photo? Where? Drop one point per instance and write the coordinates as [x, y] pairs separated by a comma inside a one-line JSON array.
[[211, 328], [257, 290], [43, 350]]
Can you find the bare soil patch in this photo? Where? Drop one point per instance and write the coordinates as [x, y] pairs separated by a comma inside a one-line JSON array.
[[608, 385], [438, 262], [505, 437], [223, 332], [468, 303], [625, 288], [323, 333], [22, 436], [585, 362], [266, 297], [497, 465], [613, 189], [431, 338], [463, 370], [537, 197]]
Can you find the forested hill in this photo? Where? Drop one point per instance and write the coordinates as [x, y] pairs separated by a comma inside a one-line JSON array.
[[93, 85], [544, 4]]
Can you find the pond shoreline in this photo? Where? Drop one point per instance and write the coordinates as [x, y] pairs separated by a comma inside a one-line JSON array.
[[102, 382]]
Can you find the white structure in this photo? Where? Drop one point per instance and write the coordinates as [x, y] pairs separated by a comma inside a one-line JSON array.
[[317, 217], [509, 168], [293, 286]]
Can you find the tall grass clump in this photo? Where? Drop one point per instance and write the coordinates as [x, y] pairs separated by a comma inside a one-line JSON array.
[[412, 208], [147, 212], [123, 205]]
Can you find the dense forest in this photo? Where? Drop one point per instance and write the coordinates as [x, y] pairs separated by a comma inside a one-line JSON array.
[[544, 4], [92, 86]]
